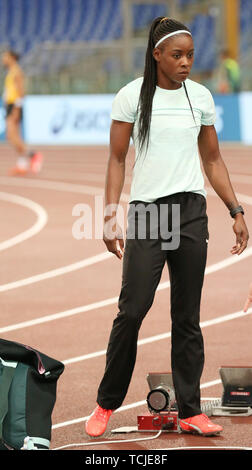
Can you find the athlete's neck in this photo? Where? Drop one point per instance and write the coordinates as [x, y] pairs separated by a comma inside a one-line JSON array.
[[167, 83], [172, 86]]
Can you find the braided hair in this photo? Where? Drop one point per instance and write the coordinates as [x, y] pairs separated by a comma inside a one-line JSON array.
[[159, 28]]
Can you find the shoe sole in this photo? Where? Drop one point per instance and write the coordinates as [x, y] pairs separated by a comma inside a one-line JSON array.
[[92, 435], [95, 437], [198, 432], [17, 172], [204, 434]]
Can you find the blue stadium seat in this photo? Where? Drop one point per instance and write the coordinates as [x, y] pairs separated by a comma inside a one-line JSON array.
[[202, 27], [25, 24], [144, 14], [246, 26]]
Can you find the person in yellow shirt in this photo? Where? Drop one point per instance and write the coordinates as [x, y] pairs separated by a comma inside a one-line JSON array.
[[13, 97]]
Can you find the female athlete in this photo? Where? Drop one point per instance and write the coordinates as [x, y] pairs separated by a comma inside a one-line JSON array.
[[170, 117]]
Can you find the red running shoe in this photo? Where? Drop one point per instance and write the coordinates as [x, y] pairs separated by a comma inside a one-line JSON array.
[[199, 424], [97, 422], [18, 171], [36, 162]]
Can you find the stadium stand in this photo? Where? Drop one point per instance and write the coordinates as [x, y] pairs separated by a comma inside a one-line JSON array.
[[48, 33], [27, 24], [246, 26]]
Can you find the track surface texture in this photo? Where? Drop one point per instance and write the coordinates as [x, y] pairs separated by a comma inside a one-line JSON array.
[[59, 294]]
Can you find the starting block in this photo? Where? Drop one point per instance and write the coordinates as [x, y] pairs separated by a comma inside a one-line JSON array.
[[237, 392], [236, 400]]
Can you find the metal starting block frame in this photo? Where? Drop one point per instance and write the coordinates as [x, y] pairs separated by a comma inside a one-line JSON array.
[[236, 400], [237, 392]]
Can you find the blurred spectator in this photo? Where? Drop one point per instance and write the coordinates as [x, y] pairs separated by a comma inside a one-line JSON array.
[[13, 97], [228, 75]]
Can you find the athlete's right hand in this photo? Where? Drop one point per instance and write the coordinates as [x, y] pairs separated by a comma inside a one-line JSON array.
[[112, 236]]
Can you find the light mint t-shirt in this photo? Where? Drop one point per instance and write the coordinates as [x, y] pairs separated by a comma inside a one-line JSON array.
[[171, 163]]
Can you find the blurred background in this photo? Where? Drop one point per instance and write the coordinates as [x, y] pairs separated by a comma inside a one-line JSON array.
[[90, 47]]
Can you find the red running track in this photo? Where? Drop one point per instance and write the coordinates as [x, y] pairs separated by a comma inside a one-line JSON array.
[[82, 295]]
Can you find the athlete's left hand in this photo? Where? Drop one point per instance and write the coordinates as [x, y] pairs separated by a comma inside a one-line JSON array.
[[242, 235]]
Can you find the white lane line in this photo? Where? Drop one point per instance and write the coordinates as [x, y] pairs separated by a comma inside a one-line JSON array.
[[36, 228], [103, 256], [204, 448], [152, 339], [57, 316], [133, 405], [85, 189], [92, 190], [56, 272], [126, 407], [143, 341], [58, 186], [49, 274], [103, 303]]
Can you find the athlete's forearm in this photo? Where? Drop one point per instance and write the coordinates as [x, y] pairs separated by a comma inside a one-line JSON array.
[[114, 184], [120, 133], [217, 174], [214, 166]]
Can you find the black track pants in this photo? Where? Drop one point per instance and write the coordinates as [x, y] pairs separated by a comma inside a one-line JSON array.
[[143, 262]]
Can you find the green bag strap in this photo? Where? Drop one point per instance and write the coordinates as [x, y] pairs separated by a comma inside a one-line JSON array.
[[7, 371]]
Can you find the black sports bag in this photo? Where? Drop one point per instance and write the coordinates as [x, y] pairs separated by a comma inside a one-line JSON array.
[[28, 382]]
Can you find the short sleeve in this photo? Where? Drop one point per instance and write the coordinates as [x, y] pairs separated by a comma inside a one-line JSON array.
[[208, 117], [123, 107]]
